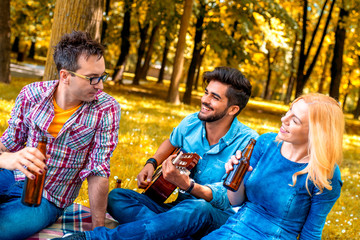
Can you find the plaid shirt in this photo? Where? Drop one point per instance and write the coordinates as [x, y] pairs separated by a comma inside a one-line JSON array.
[[82, 148]]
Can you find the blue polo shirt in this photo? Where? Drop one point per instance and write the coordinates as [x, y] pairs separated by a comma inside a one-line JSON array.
[[190, 135]]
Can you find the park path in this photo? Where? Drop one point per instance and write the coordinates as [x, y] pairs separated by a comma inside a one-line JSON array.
[[26, 70]]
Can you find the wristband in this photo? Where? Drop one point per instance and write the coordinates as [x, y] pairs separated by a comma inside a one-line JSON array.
[[192, 184], [152, 161]]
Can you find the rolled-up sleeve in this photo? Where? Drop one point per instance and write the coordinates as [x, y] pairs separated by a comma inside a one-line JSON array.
[[220, 199], [14, 137], [104, 144]]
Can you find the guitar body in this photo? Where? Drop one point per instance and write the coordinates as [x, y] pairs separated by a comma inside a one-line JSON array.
[[159, 189]]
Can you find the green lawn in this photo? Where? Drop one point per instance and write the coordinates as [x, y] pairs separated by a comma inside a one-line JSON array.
[[147, 120]]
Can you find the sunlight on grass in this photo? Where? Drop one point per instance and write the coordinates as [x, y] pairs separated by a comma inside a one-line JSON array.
[[146, 121]]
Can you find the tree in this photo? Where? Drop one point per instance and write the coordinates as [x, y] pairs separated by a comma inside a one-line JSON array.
[[171, 19], [337, 62], [164, 59], [125, 43], [154, 17], [5, 45], [303, 76], [143, 29], [105, 22], [149, 52], [357, 109], [79, 15], [30, 21], [325, 67], [173, 93], [270, 59], [196, 52], [290, 85]]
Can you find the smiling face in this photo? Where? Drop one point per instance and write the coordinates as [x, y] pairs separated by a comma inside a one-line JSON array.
[[295, 124], [214, 103]]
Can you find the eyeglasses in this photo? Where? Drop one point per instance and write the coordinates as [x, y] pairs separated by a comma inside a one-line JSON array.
[[93, 80]]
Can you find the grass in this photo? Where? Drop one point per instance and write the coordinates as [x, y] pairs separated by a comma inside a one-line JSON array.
[[147, 120]]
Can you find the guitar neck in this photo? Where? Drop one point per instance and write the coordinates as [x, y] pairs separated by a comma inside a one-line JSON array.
[[177, 158]]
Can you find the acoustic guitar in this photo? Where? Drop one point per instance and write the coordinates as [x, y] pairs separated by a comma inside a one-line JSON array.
[[159, 189]]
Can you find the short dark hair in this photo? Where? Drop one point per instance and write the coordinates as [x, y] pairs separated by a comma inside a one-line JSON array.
[[239, 90], [72, 46]]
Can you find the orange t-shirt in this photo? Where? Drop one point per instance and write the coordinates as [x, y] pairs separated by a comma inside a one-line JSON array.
[[60, 118]]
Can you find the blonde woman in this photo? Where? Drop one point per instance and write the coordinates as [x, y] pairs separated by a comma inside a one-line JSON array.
[[295, 178]]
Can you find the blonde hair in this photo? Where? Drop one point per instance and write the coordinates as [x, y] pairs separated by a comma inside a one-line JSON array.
[[326, 129]]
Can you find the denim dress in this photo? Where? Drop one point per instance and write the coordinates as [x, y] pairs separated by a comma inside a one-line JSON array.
[[274, 209]]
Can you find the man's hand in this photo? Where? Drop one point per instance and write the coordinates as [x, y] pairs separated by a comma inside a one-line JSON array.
[[173, 175], [29, 157], [145, 176]]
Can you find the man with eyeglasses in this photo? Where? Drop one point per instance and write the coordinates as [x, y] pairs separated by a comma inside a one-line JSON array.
[[81, 124]]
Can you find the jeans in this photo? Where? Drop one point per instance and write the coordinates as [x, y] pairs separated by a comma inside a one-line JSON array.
[[141, 218], [18, 221]]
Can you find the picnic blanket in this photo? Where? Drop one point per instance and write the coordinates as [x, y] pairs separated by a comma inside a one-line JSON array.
[[76, 218]]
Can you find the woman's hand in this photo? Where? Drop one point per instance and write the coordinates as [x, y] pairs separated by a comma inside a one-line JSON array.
[[234, 160]]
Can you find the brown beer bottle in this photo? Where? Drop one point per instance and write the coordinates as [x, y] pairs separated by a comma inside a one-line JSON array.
[[118, 183], [235, 177], [33, 189]]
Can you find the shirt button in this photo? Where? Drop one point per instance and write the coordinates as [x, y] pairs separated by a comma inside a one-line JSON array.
[[199, 171]]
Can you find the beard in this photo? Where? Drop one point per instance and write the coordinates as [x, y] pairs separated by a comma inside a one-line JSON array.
[[214, 117]]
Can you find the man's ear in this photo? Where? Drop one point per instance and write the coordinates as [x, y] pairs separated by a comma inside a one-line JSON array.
[[234, 109], [64, 76]]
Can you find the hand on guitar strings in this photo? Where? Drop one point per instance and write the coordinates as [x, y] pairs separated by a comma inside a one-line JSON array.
[[173, 175]]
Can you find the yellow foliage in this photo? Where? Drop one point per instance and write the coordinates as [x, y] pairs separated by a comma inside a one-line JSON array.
[[147, 120]]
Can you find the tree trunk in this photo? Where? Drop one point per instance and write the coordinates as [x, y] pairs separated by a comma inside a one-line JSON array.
[[196, 53], [292, 69], [5, 46], [164, 59], [105, 23], [150, 50], [79, 15], [140, 52], [173, 93], [32, 50], [125, 44], [267, 85], [301, 77], [15, 45], [357, 110], [347, 91], [337, 62], [323, 75], [302, 57], [198, 67], [267, 94]]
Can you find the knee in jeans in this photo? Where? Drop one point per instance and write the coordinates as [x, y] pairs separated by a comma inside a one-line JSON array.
[[198, 206], [113, 194], [118, 193]]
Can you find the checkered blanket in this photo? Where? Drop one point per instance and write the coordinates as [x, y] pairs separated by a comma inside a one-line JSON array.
[[76, 218]]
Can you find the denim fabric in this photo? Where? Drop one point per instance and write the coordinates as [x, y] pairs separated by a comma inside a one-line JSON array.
[[275, 210], [149, 220], [18, 221], [142, 218], [190, 135]]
